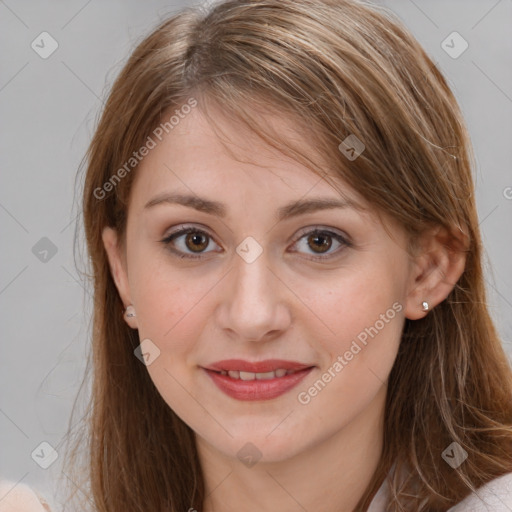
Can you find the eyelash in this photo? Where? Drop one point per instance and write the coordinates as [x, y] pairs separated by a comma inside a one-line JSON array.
[[316, 231]]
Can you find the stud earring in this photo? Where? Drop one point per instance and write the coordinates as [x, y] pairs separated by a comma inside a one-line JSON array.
[[424, 305], [129, 312]]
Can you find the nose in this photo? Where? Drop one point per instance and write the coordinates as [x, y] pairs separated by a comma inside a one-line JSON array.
[[254, 304]]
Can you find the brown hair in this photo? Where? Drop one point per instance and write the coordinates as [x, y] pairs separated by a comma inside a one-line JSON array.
[[336, 67]]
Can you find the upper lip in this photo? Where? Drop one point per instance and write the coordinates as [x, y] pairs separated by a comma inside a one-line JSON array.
[[268, 365]]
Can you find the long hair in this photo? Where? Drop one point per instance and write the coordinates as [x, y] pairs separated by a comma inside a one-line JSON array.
[[335, 68]]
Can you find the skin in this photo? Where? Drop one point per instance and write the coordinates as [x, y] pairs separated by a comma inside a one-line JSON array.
[[315, 456]]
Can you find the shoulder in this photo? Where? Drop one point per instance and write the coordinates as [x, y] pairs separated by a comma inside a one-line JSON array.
[[19, 497], [495, 495]]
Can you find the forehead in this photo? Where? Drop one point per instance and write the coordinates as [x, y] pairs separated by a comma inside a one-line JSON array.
[[225, 158]]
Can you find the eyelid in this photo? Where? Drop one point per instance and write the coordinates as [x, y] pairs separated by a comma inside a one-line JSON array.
[[322, 229], [342, 239], [193, 227], [303, 231], [183, 229]]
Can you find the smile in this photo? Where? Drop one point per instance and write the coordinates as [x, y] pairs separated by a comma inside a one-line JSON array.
[[235, 379], [237, 374]]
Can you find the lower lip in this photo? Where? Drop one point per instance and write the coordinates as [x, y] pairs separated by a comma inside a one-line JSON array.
[[257, 389]]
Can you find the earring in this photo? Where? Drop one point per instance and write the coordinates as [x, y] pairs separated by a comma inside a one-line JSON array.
[[424, 305], [129, 311]]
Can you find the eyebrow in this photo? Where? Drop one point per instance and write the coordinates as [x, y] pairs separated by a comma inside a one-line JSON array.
[[287, 211]]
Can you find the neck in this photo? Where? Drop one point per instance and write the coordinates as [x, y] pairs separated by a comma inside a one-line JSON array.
[[331, 475]]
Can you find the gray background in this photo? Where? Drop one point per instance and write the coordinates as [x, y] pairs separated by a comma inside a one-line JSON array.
[[49, 108]]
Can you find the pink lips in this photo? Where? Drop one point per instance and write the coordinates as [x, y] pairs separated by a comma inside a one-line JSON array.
[[268, 365], [257, 389]]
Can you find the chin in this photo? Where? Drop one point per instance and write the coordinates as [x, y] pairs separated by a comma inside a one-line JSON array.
[[274, 447]]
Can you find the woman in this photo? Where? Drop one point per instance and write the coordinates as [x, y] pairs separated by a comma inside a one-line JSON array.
[[289, 302]]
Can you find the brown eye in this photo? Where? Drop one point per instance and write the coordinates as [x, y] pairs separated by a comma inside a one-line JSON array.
[[196, 241], [188, 243], [321, 242]]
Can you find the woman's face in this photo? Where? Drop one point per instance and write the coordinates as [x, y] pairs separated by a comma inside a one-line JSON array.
[[251, 282]]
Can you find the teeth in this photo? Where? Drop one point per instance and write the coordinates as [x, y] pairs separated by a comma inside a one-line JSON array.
[[265, 376], [235, 374]]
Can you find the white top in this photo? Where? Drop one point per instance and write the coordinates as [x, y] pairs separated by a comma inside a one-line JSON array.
[[20, 498], [494, 496]]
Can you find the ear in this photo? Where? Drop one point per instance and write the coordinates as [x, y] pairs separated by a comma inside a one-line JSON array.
[[118, 269], [439, 262]]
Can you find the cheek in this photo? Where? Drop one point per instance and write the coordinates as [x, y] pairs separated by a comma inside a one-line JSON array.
[[367, 321], [358, 317], [165, 315], [171, 313], [170, 304]]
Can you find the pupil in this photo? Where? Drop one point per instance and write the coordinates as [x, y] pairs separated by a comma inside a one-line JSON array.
[[326, 246], [196, 244]]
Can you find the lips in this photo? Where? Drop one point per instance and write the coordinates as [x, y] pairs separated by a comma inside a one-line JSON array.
[[262, 380], [269, 365]]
